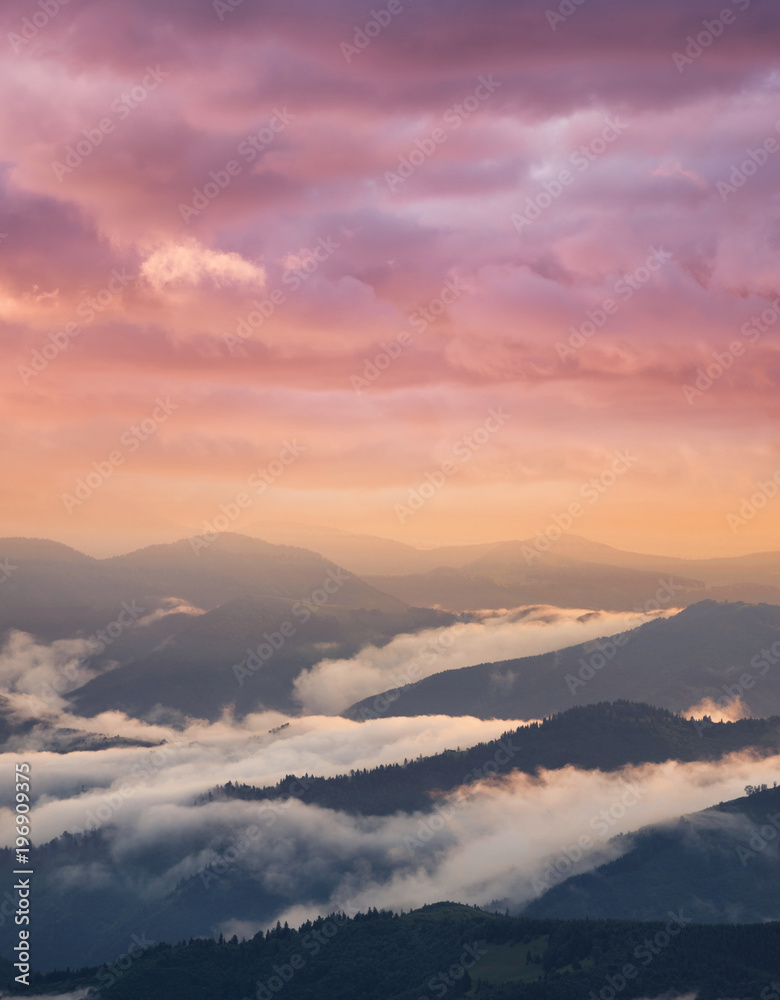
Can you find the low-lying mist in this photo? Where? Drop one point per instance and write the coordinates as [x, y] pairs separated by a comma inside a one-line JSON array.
[[486, 841], [331, 686]]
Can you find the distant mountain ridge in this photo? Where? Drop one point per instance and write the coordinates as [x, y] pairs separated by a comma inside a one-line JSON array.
[[368, 554], [181, 617], [76, 589], [709, 650], [570, 571]]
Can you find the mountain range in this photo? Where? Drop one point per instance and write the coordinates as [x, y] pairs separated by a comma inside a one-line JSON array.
[[53, 591], [172, 889], [569, 571], [233, 622], [172, 626]]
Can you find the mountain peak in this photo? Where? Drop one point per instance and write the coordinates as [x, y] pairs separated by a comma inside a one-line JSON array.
[[40, 549]]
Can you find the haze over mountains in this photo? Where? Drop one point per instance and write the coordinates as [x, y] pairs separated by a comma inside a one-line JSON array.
[[368, 555], [209, 665], [568, 572], [577, 573], [54, 587], [235, 623], [573, 572], [184, 617]]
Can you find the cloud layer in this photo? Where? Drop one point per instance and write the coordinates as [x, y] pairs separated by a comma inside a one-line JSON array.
[[331, 686], [487, 841], [240, 209]]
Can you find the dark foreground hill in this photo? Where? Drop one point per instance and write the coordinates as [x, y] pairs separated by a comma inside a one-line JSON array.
[[723, 862], [709, 650], [604, 737], [450, 950]]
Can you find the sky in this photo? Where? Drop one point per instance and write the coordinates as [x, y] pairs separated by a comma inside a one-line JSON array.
[[419, 270]]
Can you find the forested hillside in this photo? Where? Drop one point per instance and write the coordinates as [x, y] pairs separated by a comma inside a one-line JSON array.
[[606, 736], [450, 950]]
